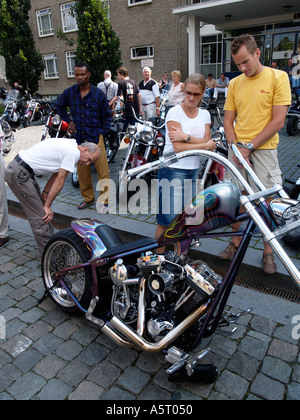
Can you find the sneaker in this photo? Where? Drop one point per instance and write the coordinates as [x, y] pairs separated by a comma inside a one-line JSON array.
[[269, 265], [229, 252]]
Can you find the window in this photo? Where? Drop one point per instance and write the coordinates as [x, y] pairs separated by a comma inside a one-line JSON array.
[[70, 57], [137, 2], [140, 53], [68, 20], [50, 63], [44, 20], [211, 55]]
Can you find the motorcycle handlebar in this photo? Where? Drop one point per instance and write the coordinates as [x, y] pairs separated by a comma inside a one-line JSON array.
[[146, 122]]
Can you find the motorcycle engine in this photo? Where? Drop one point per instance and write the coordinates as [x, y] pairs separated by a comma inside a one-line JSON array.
[[173, 291]]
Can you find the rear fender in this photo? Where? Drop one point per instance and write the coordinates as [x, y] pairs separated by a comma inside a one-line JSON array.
[[86, 229]]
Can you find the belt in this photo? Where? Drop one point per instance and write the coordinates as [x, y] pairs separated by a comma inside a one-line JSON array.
[[148, 104], [24, 164]]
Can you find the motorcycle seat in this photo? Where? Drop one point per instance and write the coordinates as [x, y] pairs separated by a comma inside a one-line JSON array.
[[108, 236], [119, 251]]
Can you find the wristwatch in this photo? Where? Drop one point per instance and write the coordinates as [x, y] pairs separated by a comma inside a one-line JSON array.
[[248, 146]]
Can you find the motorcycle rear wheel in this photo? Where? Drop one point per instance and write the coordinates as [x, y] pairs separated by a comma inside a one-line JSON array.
[[66, 249]]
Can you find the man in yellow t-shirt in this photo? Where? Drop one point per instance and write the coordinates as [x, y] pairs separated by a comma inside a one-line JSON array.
[[255, 110]]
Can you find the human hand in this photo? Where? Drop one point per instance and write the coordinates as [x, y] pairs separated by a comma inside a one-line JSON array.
[[48, 214], [176, 134], [72, 127]]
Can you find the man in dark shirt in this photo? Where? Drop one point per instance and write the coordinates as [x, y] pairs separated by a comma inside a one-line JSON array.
[[90, 121], [129, 91]]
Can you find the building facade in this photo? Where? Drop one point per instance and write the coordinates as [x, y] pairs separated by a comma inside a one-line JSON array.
[[149, 33], [213, 24]]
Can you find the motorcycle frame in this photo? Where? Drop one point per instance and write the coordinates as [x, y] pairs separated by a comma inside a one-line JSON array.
[[213, 308]]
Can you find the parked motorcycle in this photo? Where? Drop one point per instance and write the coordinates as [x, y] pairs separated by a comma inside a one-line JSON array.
[[292, 239], [214, 111], [166, 303], [293, 115], [146, 143], [57, 127], [36, 110], [13, 108], [213, 171], [7, 137], [113, 139]]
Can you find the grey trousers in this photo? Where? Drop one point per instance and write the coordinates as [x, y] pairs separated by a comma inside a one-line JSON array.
[[27, 191], [3, 201]]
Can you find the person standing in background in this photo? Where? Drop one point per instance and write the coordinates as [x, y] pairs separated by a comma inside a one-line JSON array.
[[90, 121], [149, 91]]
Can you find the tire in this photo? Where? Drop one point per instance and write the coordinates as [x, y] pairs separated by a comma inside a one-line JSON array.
[[293, 239], [75, 180], [67, 249], [25, 122], [292, 127]]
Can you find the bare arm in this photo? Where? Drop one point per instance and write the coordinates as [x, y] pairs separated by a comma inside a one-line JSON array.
[[56, 183], [179, 139]]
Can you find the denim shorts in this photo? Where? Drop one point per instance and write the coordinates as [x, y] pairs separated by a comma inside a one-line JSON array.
[[176, 188]]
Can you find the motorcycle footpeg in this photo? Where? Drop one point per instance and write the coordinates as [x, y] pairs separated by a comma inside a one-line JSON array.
[[205, 374]]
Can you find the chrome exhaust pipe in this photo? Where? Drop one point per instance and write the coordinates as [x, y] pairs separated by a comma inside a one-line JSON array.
[[136, 339]]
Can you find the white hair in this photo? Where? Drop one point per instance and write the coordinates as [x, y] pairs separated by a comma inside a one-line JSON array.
[[107, 73], [92, 147], [147, 68]]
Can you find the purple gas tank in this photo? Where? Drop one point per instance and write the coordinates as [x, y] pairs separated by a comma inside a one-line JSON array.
[[213, 208]]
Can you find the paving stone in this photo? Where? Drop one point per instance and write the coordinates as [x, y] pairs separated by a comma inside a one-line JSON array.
[[86, 391], [54, 390], [277, 369], [283, 350], [26, 386], [133, 380], [267, 388]]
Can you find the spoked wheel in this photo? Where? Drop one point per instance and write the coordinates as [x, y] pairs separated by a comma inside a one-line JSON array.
[[66, 249]]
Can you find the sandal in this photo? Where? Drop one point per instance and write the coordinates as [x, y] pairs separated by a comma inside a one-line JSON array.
[[83, 205]]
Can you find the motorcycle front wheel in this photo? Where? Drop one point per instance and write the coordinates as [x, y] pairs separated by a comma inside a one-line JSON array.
[[66, 249], [293, 126]]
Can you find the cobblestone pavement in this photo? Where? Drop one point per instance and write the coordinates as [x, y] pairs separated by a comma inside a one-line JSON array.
[[46, 354]]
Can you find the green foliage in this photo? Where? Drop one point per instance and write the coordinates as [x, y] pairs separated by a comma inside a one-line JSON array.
[[98, 44], [23, 63]]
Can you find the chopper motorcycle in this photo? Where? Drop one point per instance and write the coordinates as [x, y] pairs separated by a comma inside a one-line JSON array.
[[166, 303]]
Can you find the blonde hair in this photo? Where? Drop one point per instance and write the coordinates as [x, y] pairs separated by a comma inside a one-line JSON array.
[[176, 73], [196, 79]]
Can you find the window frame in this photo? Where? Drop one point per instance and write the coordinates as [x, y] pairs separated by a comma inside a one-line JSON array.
[[63, 12], [46, 58], [41, 31]]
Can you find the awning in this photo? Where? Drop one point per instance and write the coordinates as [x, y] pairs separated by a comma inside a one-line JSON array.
[[222, 12]]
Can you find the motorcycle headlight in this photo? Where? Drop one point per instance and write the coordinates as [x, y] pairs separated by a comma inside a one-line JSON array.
[[56, 120], [284, 210], [132, 130], [147, 135]]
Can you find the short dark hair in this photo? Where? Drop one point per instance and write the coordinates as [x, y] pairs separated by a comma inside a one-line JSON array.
[[247, 40], [81, 64], [123, 71]]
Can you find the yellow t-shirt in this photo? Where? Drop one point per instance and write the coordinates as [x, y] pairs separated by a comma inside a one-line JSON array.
[[253, 98]]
